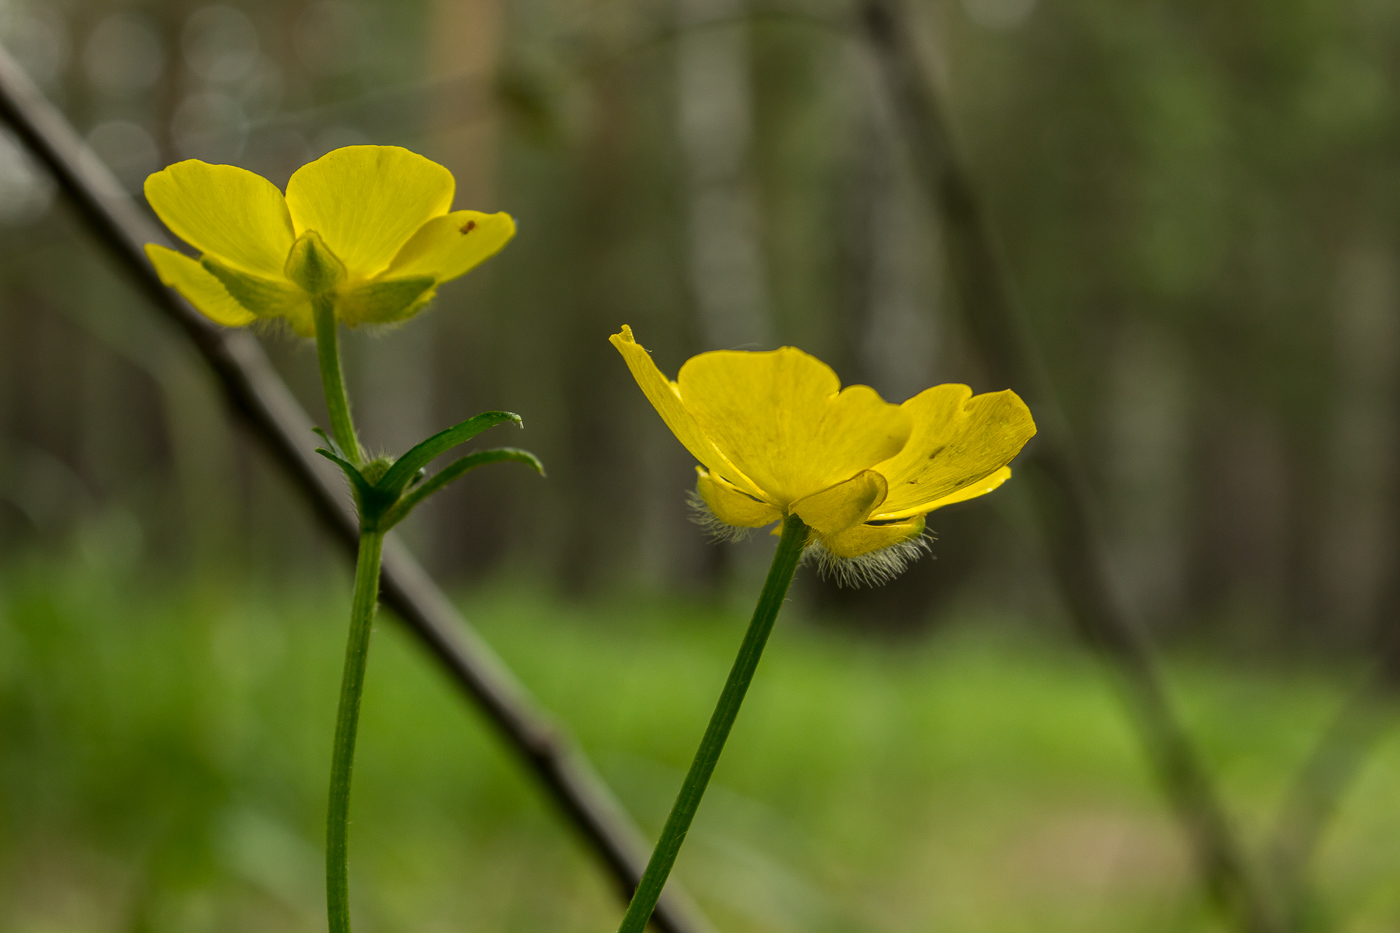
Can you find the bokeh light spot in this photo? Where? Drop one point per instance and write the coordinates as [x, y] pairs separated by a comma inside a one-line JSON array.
[[220, 44], [123, 55]]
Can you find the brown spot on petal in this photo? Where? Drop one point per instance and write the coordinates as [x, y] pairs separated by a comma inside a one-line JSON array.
[[471, 225]]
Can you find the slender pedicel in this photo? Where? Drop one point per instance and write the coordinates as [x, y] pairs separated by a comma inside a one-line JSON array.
[[347, 718], [785, 561], [332, 382]]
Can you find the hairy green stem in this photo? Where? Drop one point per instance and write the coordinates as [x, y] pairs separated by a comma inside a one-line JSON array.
[[775, 588], [328, 355], [347, 719]]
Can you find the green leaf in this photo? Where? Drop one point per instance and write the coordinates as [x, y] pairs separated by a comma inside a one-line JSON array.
[[454, 471], [420, 456]]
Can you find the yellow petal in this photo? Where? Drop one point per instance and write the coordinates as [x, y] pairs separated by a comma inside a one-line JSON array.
[[843, 505], [667, 401], [224, 210], [733, 506], [979, 488], [452, 245], [864, 539], [198, 286], [959, 439], [366, 201], [779, 417]]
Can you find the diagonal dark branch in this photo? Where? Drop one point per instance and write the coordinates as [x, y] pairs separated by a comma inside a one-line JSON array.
[[1337, 758], [1322, 782], [1059, 487], [274, 418]]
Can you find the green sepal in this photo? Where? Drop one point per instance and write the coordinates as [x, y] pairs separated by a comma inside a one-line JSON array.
[[401, 509], [261, 296], [404, 468], [385, 301], [312, 265]]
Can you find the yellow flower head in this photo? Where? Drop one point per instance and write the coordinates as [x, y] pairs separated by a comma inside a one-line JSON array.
[[777, 435], [370, 227]]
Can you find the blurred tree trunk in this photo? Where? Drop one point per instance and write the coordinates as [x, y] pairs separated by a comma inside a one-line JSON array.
[[726, 271], [1355, 549], [1145, 466], [464, 44], [714, 105], [598, 471]]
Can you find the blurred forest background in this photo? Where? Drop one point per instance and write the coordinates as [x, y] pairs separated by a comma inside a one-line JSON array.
[[1200, 207]]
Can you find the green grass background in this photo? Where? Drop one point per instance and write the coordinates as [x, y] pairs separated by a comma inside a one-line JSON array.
[[163, 756]]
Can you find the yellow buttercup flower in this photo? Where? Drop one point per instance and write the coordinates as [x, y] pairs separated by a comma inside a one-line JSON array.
[[369, 227], [777, 435]]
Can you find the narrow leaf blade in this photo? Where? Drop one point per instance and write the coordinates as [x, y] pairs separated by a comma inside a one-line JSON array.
[[420, 456], [455, 471], [331, 445]]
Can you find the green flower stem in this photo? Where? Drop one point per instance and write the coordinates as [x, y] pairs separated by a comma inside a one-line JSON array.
[[347, 719], [775, 588], [328, 355]]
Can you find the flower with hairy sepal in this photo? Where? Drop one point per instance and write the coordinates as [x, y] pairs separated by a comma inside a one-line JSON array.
[[776, 435], [369, 227]]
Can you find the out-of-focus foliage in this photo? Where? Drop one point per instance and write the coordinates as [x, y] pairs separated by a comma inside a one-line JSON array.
[[162, 763]]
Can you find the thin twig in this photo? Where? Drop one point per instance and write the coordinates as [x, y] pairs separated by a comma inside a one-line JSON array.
[[1061, 493], [1336, 759], [1321, 783], [273, 416]]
